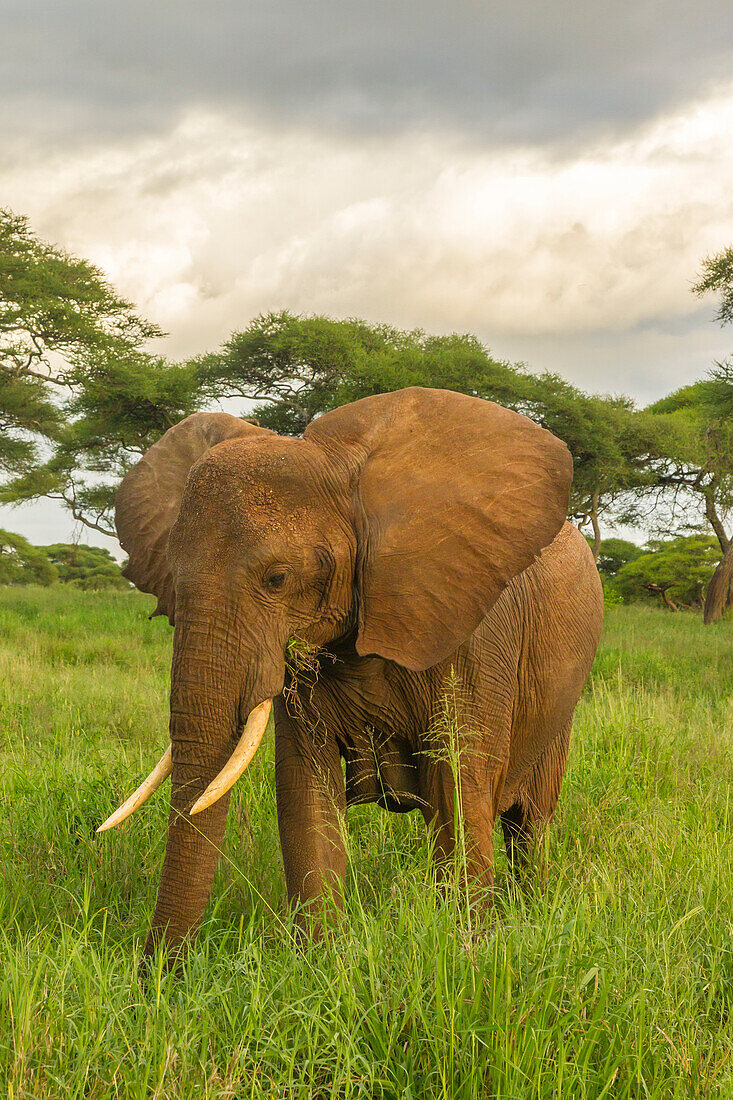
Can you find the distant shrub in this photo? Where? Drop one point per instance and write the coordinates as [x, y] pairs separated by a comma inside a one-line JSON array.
[[611, 595], [88, 567], [23, 563], [615, 553], [676, 571]]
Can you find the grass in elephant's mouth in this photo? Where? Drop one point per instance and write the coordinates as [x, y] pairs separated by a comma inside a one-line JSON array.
[[303, 664], [615, 980], [302, 656]]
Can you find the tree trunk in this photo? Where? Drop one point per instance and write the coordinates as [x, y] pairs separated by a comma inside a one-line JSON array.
[[664, 594], [720, 590], [714, 520], [669, 602], [594, 522]]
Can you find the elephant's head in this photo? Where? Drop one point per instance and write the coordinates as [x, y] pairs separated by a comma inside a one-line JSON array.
[[398, 519]]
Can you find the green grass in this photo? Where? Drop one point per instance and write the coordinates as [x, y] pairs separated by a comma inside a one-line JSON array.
[[614, 980]]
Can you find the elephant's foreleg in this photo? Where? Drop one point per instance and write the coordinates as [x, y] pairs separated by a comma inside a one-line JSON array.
[[311, 815]]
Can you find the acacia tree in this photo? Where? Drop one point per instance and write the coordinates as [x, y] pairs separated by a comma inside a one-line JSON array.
[[677, 571], [127, 401], [23, 563], [717, 277], [697, 465], [296, 368], [87, 567], [77, 390], [615, 553], [695, 461], [716, 406]]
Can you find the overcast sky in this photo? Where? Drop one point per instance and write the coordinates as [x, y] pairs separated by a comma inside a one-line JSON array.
[[546, 175]]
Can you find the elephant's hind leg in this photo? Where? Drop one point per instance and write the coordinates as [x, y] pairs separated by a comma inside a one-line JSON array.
[[461, 795], [524, 822]]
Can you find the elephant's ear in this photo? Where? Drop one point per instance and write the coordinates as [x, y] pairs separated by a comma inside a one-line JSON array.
[[150, 495], [454, 496]]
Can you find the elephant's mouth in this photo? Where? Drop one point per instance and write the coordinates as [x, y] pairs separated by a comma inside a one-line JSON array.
[[237, 764]]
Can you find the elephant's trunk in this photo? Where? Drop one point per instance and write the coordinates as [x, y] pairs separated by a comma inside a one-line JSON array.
[[207, 688]]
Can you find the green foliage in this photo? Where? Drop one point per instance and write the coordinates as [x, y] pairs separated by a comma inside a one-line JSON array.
[[716, 398], [87, 567], [699, 451], [717, 277], [23, 563], [61, 328], [300, 367], [695, 458], [611, 596], [611, 978], [678, 571], [52, 301], [126, 402], [614, 553]]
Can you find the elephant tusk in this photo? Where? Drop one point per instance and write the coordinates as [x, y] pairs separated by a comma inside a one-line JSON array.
[[240, 759], [158, 775]]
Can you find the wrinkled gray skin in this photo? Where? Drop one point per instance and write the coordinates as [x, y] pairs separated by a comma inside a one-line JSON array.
[[418, 539]]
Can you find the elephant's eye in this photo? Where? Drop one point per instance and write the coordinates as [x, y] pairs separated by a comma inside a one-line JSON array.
[[274, 581]]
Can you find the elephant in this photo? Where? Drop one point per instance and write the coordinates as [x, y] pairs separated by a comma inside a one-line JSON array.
[[413, 544]]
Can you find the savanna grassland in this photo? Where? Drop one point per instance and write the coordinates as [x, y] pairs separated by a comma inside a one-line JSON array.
[[615, 979]]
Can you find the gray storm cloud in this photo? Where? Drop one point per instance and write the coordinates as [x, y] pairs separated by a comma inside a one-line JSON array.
[[502, 71]]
